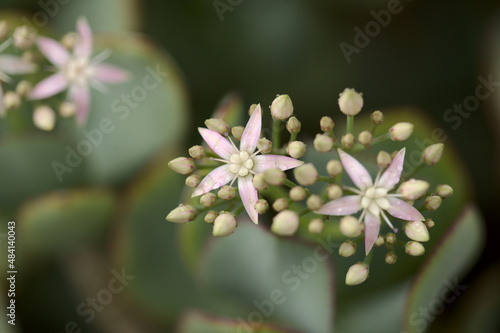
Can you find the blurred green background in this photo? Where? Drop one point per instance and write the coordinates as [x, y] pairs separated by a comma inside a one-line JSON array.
[[108, 214]]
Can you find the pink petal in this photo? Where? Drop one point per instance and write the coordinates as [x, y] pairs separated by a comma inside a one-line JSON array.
[[15, 65], [251, 134], [81, 97], [347, 205], [83, 47], [403, 211], [357, 172], [49, 86], [110, 74], [249, 197], [265, 162], [52, 50], [215, 179], [372, 229], [392, 175], [218, 143]]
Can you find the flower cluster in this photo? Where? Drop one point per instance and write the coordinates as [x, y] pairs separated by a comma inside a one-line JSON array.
[[388, 197], [75, 72]]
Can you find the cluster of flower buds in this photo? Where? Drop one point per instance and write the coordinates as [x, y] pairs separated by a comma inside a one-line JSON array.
[[362, 211], [76, 72]]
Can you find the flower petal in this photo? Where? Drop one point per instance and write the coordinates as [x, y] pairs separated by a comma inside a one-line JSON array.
[[372, 229], [110, 74], [15, 65], [403, 211], [83, 47], [218, 143], [357, 172], [49, 86], [251, 134], [249, 197], [265, 162], [53, 51], [216, 178], [344, 206], [392, 175], [81, 97]]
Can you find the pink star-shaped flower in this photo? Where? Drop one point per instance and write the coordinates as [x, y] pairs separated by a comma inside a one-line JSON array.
[[372, 197], [11, 65], [241, 163], [77, 71]]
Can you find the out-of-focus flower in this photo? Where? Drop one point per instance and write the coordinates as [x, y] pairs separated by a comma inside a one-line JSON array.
[[76, 72]]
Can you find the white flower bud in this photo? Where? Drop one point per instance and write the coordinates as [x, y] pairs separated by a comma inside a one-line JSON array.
[[182, 214], [251, 109], [316, 226], [11, 100], [193, 180], [259, 182], [23, 88], [182, 165], [296, 149], [347, 248], [208, 199], [282, 107], [429, 223], [306, 174], [237, 132], [350, 227], [357, 274], [261, 206], [334, 168], [377, 117], [197, 152], [293, 125], [44, 118], [226, 192], [365, 138], [4, 29], [67, 109], [264, 145], [298, 193], [413, 189], [401, 131], [416, 230], [390, 238], [414, 249], [383, 159], [224, 225], [314, 202], [347, 141], [323, 143], [280, 204], [69, 40], [24, 37], [444, 191], [379, 241], [432, 202], [350, 102], [390, 258], [274, 176], [285, 223], [211, 216], [326, 124], [217, 125], [334, 191], [432, 154]]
